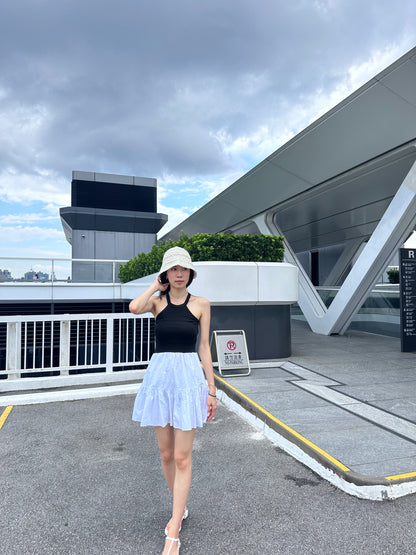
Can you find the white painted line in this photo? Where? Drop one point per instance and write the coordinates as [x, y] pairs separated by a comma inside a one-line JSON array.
[[73, 380], [69, 395], [320, 386]]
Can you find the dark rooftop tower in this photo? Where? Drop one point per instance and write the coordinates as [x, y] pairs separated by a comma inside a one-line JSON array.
[[111, 217]]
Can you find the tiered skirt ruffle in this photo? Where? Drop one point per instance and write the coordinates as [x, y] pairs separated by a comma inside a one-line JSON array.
[[174, 391]]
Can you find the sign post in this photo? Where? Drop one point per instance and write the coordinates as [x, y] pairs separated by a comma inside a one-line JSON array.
[[229, 349], [408, 300]]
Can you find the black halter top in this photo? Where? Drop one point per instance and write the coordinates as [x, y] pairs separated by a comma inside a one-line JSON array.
[[176, 328]]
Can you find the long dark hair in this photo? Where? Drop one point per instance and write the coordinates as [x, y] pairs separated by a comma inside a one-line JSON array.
[[164, 279]]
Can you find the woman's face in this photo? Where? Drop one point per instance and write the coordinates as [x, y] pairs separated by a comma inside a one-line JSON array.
[[178, 276]]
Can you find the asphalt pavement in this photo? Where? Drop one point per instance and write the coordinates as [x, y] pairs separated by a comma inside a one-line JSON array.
[[79, 477]]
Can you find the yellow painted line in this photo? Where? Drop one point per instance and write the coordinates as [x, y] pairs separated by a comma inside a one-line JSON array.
[[5, 414], [286, 427], [401, 476]]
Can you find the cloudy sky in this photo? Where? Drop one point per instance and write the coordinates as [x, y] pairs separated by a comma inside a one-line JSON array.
[[191, 92]]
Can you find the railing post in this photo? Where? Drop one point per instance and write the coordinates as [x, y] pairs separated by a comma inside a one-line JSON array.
[[64, 346], [13, 352], [109, 345]]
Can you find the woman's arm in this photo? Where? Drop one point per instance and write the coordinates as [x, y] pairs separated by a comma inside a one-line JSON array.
[[204, 352], [145, 302]]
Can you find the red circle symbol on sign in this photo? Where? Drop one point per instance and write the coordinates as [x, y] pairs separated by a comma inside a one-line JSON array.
[[231, 345]]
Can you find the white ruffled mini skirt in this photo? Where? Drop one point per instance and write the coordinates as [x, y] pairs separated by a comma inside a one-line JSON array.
[[174, 391]]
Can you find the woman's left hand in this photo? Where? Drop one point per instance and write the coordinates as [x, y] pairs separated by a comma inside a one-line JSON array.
[[212, 407]]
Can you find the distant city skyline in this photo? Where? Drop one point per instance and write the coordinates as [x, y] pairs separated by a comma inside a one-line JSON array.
[[30, 275]]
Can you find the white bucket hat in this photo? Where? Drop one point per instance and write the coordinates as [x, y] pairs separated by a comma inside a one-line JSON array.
[[176, 256]]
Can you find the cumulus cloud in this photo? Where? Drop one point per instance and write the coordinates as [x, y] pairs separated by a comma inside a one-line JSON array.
[[192, 93], [19, 234], [26, 188], [24, 218], [176, 216]]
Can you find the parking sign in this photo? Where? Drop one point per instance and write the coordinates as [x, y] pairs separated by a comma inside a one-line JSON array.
[[229, 349]]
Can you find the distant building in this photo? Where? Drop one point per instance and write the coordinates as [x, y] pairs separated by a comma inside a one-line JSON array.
[[5, 275], [112, 217], [35, 276]]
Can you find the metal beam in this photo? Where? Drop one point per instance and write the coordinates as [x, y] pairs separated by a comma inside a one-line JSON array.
[[309, 301], [342, 264], [390, 233], [397, 222]]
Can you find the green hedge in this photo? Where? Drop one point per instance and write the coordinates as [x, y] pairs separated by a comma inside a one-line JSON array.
[[394, 276], [204, 246]]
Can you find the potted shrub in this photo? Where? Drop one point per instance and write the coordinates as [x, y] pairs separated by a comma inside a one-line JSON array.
[[393, 275]]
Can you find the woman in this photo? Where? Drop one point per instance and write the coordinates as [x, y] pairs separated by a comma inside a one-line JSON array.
[[175, 397]]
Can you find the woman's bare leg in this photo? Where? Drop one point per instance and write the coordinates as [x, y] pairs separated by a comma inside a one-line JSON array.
[[166, 442], [183, 442]]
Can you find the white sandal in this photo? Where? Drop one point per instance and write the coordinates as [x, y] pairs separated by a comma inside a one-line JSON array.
[[171, 543], [185, 516]]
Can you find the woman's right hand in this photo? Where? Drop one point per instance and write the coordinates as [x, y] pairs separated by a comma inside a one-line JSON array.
[[160, 286], [145, 302]]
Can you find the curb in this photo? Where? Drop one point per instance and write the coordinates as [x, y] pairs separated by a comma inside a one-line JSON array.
[[303, 450]]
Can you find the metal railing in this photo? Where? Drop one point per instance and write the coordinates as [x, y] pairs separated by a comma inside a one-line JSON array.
[[61, 345]]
